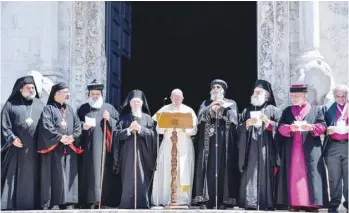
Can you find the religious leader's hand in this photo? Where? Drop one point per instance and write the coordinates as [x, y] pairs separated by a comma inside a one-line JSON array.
[[17, 143], [137, 127], [218, 102], [294, 128], [86, 126], [250, 122], [64, 139], [265, 119], [132, 126], [307, 127], [69, 140], [106, 115], [330, 130], [215, 108]]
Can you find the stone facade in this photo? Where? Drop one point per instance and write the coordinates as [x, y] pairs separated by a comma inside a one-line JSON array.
[[303, 42], [65, 41], [334, 37], [273, 46]]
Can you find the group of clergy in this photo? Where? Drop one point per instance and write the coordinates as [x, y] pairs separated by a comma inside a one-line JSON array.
[[265, 158]]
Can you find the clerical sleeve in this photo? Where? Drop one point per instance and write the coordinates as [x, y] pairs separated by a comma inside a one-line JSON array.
[[284, 128], [50, 137], [243, 141], [193, 131], [77, 128], [276, 114], [121, 131], [120, 134], [148, 145], [320, 126], [148, 130], [6, 127], [202, 110]]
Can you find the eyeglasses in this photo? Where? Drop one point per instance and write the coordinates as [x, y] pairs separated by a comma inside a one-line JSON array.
[[216, 87]]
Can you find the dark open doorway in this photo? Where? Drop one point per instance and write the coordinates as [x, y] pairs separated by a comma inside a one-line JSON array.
[[186, 45]]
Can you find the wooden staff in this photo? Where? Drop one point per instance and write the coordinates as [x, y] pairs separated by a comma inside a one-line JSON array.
[[216, 175], [103, 160], [135, 168]]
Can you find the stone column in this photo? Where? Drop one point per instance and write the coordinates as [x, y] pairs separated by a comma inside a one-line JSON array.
[[310, 66], [309, 34], [87, 59], [273, 47]]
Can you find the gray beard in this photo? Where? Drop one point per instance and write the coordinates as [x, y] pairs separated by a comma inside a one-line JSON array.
[[257, 100], [137, 113], [96, 104], [217, 96]]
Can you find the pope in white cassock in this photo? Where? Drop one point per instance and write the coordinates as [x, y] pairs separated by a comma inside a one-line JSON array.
[[161, 194]]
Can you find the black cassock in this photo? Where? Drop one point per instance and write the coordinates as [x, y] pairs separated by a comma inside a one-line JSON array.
[[124, 160], [59, 167], [91, 142], [204, 190], [20, 166], [258, 159], [314, 162]]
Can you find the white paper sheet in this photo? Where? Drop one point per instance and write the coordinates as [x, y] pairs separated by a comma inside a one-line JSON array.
[[340, 128], [299, 124], [90, 121], [257, 115]]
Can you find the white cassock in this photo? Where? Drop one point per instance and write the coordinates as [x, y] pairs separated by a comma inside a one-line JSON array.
[[185, 163]]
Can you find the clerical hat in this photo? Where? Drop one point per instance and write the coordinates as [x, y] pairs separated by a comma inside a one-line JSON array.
[[55, 88], [20, 82], [95, 85], [266, 85], [220, 82], [299, 88]]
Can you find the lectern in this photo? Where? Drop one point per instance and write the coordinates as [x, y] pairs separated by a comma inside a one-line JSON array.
[[176, 121]]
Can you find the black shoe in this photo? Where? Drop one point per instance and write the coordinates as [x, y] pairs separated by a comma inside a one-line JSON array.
[[332, 210], [69, 207], [203, 206], [55, 207], [222, 206]]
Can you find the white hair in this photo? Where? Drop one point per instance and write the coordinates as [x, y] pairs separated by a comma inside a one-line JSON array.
[[341, 87], [177, 91]]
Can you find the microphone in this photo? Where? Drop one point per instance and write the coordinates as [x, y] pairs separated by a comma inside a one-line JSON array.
[[164, 102]]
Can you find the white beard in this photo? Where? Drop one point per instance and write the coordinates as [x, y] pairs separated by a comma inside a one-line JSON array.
[[137, 113], [258, 100], [96, 104], [217, 96]]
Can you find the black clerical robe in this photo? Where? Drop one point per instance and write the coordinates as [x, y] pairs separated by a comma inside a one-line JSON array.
[[59, 167], [258, 159], [91, 141], [20, 166], [124, 160], [301, 180], [204, 187]]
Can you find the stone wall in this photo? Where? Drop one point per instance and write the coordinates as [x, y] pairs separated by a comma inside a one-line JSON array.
[[334, 37], [302, 42], [65, 41], [34, 36]]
